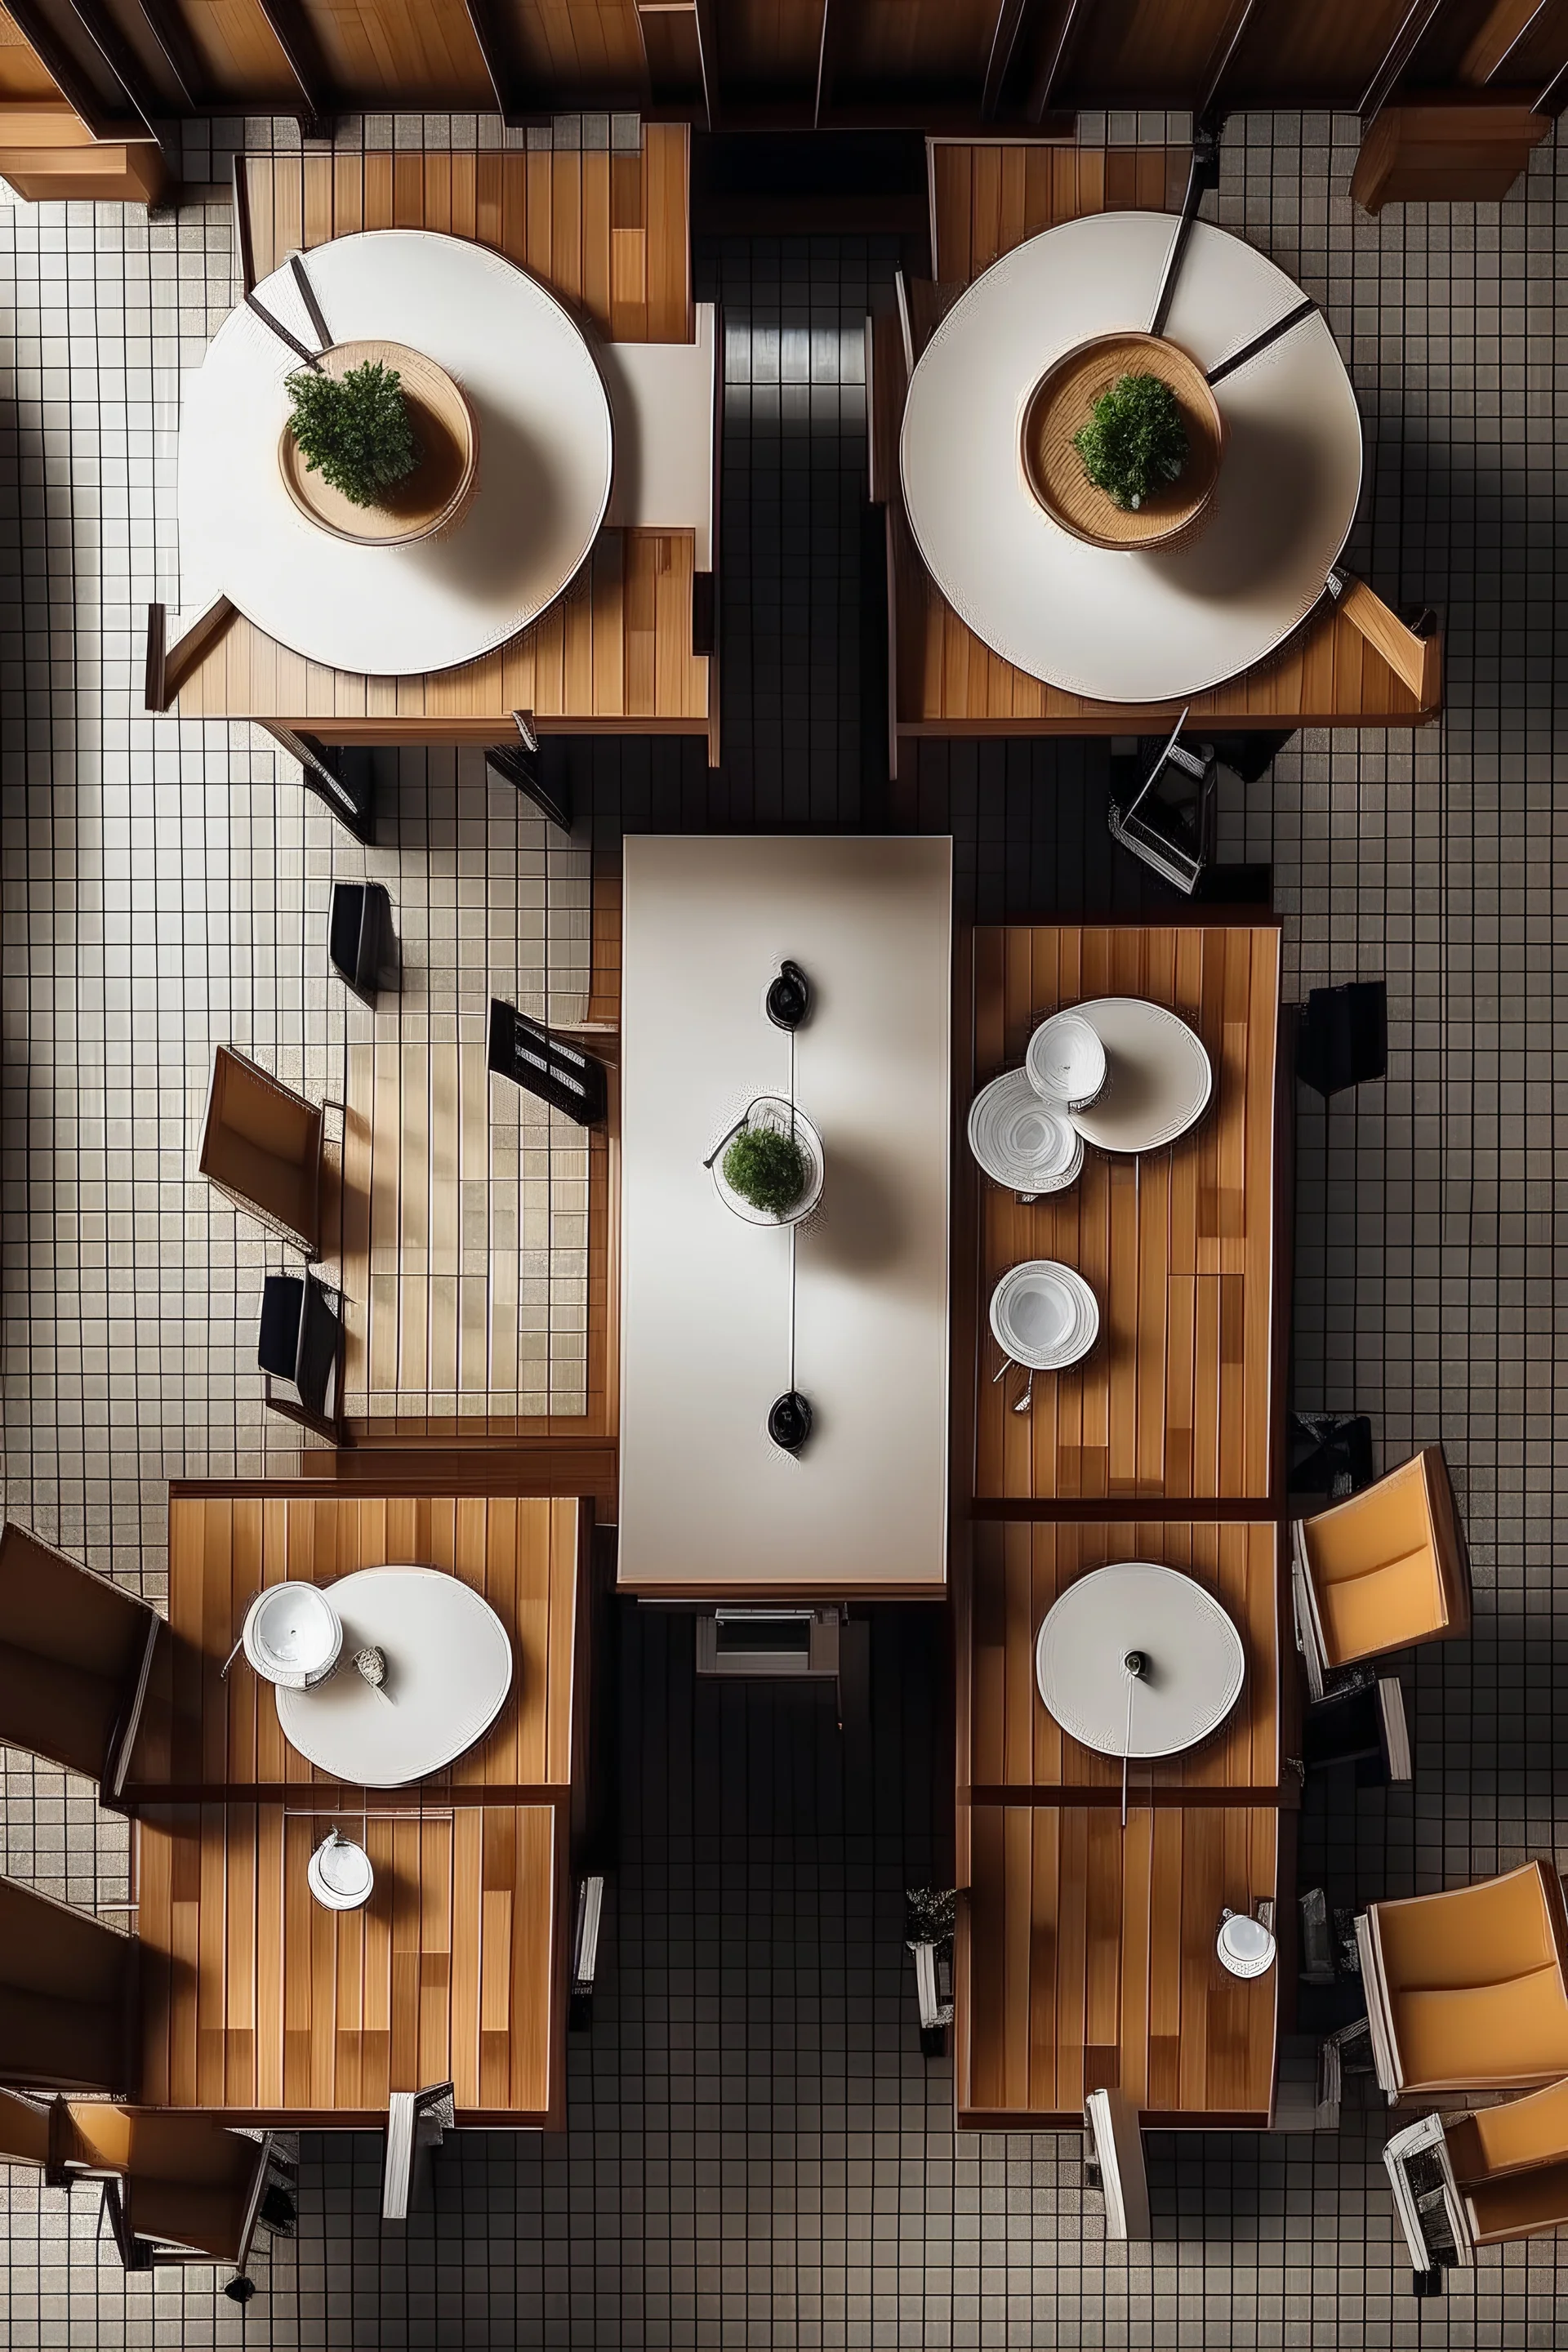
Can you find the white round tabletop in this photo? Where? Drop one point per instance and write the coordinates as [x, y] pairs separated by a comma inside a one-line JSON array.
[[1158, 1075], [1119, 625], [544, 460], [448, 1670], [1193, 1664]]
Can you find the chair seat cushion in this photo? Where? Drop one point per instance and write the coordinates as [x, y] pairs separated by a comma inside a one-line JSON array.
[[1495, 2034], [1519, 2203], [1381, 1608], [57, 1710]]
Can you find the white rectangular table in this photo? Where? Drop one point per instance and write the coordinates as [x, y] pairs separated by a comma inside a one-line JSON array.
[[709, 1506]]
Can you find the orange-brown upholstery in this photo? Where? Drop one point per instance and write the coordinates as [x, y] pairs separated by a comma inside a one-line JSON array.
[[67, 1985], [262, 1145], [1388, 1567], [23, 2129], [73, 1656], [186, 2181], [1511, 2163], [1470, 1988]]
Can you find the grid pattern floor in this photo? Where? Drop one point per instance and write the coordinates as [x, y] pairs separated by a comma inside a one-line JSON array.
[[756, 2153]]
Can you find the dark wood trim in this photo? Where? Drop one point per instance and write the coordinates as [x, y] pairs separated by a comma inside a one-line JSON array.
[[120, 59], [1220, 59], [1059, 49], [43, 37], [167, 666], [1169, 1796], [239, 184], [705, 18], [341, 1796], [827, 54], [1484, 61], [805, 1590], [1412, 30], [1002, 2119], [409, 1472], [291, 29], [499, 70], [177, 49], [1283, 1238], [1096, 1510]]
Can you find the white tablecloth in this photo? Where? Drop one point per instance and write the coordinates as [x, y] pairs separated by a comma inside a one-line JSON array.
[[543, 467], [1127, 627]]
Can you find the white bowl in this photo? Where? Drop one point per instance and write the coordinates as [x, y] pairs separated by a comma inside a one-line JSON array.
[[1021, 1140], [1244, 1945], [293, 1635], [1066, 1060], [776, 1111], [341, 1874], [1044, 1316]]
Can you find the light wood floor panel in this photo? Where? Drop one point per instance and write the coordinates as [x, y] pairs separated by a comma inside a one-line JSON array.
[[524, 1554], [257, 1999], [1086, 1960], [1177, 1398], [1006, 1738]]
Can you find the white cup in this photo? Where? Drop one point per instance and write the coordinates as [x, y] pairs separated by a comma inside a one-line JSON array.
[[1244, 1945]]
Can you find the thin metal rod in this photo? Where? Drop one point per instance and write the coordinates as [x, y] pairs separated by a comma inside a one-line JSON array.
[[311, 359], [1305, 309], [1203, 175], [308, 296]]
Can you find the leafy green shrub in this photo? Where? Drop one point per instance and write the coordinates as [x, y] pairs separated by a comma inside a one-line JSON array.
[[1135, 441], [354, 430], [766, 1168]]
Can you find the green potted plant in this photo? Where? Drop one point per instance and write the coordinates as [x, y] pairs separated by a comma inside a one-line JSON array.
[[354, 430], [767, 1168], [1135, 441]]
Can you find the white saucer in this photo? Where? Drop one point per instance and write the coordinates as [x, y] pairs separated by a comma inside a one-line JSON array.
[[1044, 1314], [1021, 1140], [1244, 1945], [1066, 1060], [1158, 1079]]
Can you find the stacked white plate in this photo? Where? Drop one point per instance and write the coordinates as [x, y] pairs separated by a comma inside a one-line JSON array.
[[1021, 1140], [1044, 1316], [1066, 1060]]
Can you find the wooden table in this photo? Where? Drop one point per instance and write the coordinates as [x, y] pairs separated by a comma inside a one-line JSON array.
[[255, 1998], [259, 2001], [617, 654], [1085, 1955], [1180, 1396]]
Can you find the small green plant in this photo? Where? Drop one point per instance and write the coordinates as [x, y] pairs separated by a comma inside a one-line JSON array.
[[766, 1168], [1135, 441], [354, 430]]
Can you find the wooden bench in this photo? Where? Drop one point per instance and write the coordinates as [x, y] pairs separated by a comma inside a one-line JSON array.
[[618, 653], [1351, 664]]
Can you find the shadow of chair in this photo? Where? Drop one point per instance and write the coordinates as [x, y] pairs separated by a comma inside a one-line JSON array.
[[68, 2017], [261, 1146], [1467, 1991], [75, 1656], [1383, 1569]]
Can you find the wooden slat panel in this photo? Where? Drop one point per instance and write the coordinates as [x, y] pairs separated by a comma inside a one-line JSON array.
[[259, 2001], [1177, 1246], [1086, 1958]]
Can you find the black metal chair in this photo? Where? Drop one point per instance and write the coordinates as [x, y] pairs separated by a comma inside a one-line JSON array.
[[301, 1341], [1341, 1038], [561, 1074], [359, 938], [1167, 820]]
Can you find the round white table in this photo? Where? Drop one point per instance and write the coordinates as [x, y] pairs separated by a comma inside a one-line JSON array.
[[1193, 1664], [1118, 625], [544, 460], [448, 1670]]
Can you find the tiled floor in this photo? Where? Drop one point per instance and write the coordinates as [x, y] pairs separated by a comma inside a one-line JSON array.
[[756, 2155]]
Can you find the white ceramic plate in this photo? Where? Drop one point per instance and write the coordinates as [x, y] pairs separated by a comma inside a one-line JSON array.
[[1158, 1076], [1021, 1140], [1066, 1060], [1045, 1315], [1194, 1662], [341, 1875], [292, 1634]]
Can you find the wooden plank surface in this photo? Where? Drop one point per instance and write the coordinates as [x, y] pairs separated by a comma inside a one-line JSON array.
[[1085, 1961], [989, 195], [610, 237], [522, 1553], [1177, 1397], [1006, 1738], [259, 2001]]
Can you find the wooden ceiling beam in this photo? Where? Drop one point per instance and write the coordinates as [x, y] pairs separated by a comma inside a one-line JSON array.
[[1412, 31], [1496, 39], [827, 49], [120, 59], [1221, 58], [65, 68], [1070, 19], [291, 28], [167, 27], [499, 70], [708, 59], [1011, 18]]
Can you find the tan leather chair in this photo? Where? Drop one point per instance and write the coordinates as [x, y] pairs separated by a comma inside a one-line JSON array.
[[184, 2186], [1468, 1991], [1382, 1571], [67, 1997], [262, 1145], [1503, 2172], [76, 1654]]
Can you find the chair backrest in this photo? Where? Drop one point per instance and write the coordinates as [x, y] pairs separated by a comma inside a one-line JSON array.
[[75, 1652], [186, 2181], [1396, 1551], [23, 2129], [65, 1987], [1468, 1989], [1518, 2134], [261, 1144]]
